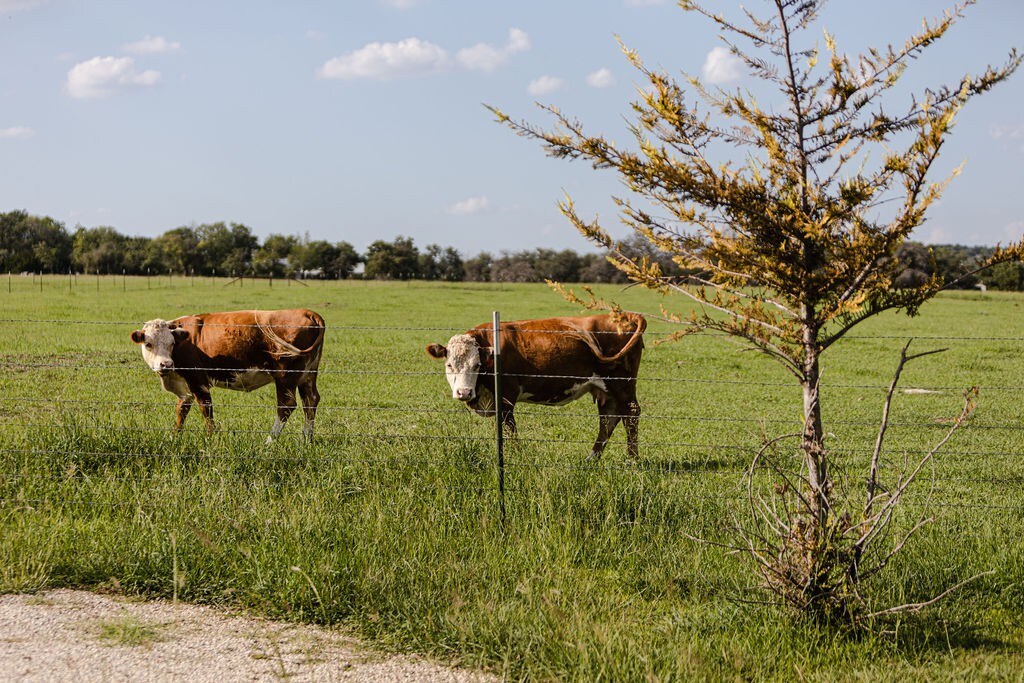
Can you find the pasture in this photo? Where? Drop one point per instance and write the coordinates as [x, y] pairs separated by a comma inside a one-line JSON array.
[[389, 522]]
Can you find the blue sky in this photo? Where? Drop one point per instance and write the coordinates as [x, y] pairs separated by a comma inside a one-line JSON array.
[[365, 120]]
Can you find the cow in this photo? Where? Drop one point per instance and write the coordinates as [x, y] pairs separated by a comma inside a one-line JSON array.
[[552, 361], [240, 350]]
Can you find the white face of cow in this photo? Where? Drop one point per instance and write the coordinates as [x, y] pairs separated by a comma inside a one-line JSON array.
[[156, 339], [462, 364]]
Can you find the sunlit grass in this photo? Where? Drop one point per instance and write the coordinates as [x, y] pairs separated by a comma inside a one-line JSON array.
[[390, 521]]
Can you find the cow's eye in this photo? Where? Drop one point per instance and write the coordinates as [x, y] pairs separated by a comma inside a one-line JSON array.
[[148, 345]]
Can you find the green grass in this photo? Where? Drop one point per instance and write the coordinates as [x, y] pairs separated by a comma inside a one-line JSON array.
[[128, 631], [389, 522]]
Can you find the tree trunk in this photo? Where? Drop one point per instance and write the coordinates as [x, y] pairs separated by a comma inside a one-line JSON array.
[[812, 442]]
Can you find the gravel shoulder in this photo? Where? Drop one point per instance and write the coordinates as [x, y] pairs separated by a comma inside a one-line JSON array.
[[81, 636]]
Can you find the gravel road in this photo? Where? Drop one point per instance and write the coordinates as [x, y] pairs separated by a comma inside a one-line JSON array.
[[69, 635]]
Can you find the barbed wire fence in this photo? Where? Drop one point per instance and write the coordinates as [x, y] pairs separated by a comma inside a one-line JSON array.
[[661, 442]]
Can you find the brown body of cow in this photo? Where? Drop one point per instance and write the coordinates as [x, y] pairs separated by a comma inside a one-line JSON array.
[[553, 361], [240, 350]]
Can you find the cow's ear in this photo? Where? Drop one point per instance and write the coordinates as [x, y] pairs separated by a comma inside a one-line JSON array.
[[487, 358], [138, 336], [438, 351], [179, 333]]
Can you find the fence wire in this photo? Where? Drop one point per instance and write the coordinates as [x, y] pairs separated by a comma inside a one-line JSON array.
[[76, 414]]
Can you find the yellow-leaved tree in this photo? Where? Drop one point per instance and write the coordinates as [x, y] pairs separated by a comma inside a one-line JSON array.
[[790, 218]]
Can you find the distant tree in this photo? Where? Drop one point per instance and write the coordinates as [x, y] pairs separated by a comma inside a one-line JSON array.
[[1006, 276], [345, 260], [954, 264], [561, 266], [313, 256], [441, 263], [274, 256], [98, 250], [397, 260], [478, 268], [137, 252], [597, 268], [429, 269], [226, 249], [33, 243], [176, 250], [792, 212], [916, 265], [452, 268], [514, 267]]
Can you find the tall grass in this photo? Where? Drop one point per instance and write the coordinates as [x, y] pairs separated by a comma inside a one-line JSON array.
[[592, 577]]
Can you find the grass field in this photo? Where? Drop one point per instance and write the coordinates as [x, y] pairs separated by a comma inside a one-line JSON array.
[[389, 522]]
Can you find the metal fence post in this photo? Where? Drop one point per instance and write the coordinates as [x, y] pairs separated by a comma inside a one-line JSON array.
[[497, 416]]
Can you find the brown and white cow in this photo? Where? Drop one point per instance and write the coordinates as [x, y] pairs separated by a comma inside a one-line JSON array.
[[240, 350], [551, 362]]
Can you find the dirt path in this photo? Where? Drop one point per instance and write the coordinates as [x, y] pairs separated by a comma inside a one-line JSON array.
[[67, 635]]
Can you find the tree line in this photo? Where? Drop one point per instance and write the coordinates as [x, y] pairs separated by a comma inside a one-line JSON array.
[[41, 244]]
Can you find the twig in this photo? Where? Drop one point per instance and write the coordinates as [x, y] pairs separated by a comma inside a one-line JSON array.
[[917, 606]]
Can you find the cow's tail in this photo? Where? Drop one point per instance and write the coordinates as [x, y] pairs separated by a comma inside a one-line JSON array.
[[288, 350], [641, 325]]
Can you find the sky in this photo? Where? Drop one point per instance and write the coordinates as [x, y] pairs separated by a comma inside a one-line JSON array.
[[364, 120]]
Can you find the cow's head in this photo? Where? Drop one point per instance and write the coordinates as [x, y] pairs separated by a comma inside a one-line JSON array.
[[157, 339], [464, 359]]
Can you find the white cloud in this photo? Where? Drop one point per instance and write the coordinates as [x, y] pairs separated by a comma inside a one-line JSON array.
[[400, 4], [1013, 131], [544, 85], [518, 41], [18, 5], [313, 34], [602, 78], [1010, 133], [470, 206], [16, 132], [486, 57], [152, 45], [722, 66], [1007, 131], [104, 76], [384, 61]]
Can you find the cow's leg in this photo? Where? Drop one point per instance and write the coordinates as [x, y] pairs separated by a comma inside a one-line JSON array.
[[608, 412], [206, 408], [181, 411], [285, 406], [310, 400], [508, 415]]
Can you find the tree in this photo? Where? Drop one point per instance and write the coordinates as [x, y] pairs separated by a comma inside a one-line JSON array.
[[917, 265], [313, 257], [1006, 276], [345, 260], [478, 268], [562, 266], [98, 250], [514, 267], [794, 234], [176, 250], [136, 255], [225, 249], [955, 263], [441, 263], [33, 243], [398, 260], [274, 256]]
